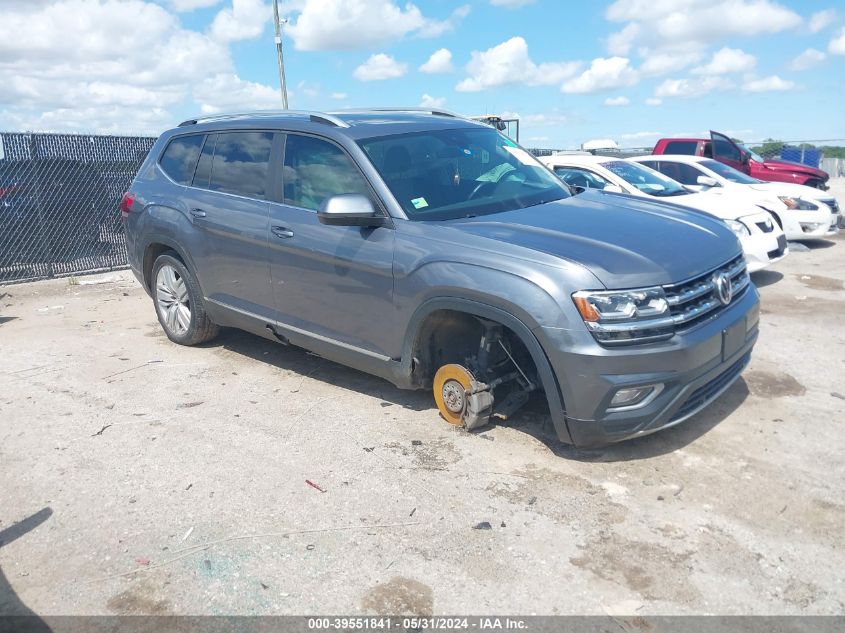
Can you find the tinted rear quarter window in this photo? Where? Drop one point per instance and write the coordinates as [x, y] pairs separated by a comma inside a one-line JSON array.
[[180, 158], [681, 147], [241, 163]]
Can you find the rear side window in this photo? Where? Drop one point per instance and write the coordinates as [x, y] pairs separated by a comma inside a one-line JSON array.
[[316, 170], [180, 158], [681, 147], [241, 163]]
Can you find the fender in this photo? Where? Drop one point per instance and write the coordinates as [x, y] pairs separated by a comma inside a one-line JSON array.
[[404, 369], [157, 238]]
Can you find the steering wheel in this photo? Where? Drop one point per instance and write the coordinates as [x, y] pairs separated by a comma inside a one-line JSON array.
[[482, 185]]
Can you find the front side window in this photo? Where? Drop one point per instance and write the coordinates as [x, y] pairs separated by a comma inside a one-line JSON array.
[[681, 172], [580, 178], [315, 170], [460, 172], [180, 158], [729, 173], [241, 163], [646, 180], [723, 148]]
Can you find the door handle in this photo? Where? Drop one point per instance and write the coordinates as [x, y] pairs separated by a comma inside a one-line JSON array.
[[198, 213], [282, 232]]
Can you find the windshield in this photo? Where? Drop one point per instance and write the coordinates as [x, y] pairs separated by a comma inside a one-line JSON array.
[[646, 180], [456, 173], [729, 173], [754, 155]]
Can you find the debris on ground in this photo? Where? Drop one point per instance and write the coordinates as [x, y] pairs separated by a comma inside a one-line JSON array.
[[100, 432], [313, 485], [484, 525], [416, 443], [187, 534]]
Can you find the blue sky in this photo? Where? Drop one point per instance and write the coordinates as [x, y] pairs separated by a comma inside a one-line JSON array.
[[753, 68]]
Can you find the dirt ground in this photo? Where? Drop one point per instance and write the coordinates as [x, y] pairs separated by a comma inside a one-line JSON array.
[[244, 477]]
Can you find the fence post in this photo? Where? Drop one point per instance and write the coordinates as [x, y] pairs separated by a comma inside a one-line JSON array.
[[39, 203]]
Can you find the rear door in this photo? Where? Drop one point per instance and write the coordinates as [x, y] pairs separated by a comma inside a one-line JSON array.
[[229, 210], [330, 281], [728, 152]]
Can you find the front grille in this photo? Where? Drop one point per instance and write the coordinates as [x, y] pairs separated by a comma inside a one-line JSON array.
[[833, 204], [696, 300], [704, 394], [780, 250], [766, 227]]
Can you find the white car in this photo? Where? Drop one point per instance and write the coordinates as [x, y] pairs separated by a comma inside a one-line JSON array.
[[803, 212], [762, 240]]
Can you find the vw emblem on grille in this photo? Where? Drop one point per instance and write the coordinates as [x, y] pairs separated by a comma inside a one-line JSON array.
[[724, 288]]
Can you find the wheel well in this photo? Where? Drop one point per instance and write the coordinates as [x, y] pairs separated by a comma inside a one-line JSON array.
[[452, 336], [151, 254]]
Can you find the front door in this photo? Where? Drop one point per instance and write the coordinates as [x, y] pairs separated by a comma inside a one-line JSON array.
[[330, 281], [728, 152], [228, 206]]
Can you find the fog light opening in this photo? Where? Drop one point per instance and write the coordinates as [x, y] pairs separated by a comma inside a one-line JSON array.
[[634, 397]]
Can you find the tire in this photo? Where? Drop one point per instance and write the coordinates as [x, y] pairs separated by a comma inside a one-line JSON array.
[[178, 302]]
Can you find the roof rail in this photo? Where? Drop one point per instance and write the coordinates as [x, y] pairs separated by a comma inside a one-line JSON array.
[[434, 111], [316, 117]]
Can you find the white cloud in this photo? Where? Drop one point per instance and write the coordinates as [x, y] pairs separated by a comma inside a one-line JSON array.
[[807, 59], [226, 92], [379, 67], [694, 22], [727, 60], [61, 66], [768, 84], [820, 20], [617, 101], [184, 6], [510, 4], [509, 63], [439, 62], [693, 87], [653, 101], [339, 96], [244, 20], [666, 60], [837, 44], [603, 74], [428, 101], [436, 28], [354, 24]]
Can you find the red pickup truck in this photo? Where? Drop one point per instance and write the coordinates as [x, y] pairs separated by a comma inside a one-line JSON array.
[[723, 149]]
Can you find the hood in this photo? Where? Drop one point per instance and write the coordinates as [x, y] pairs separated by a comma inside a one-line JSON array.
[[794, 168], [723, 202], [625, 241], [791, 189]]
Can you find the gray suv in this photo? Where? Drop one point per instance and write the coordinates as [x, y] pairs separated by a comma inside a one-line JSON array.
[[435, 252]]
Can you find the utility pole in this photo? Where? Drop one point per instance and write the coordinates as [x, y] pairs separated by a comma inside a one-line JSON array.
[[281, 58]]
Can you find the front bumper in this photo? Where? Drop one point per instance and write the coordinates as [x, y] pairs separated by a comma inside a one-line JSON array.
[[695, 367]]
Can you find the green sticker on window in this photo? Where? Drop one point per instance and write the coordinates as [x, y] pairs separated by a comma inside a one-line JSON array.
[[419, 203]]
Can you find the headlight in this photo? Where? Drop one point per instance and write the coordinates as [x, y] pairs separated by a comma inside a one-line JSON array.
[[798, 204], [739, 229], [623, 316]]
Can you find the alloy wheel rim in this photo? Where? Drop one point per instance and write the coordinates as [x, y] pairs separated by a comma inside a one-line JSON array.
[[172, 298]]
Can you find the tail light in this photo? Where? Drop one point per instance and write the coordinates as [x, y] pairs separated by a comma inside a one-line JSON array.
[[126, 205]]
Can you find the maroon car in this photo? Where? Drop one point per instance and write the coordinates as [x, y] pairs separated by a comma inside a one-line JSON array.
[[723, 149]]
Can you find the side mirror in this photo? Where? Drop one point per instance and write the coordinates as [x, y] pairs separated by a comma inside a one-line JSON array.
[[613, 188], [349, 209], [576, 189], [707, 181]]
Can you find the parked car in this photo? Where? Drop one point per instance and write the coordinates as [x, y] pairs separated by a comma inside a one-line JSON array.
[[802, 212], [435, 252], [762, 240], [725, 150]]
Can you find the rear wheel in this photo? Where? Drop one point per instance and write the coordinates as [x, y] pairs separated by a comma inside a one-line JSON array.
[[179, 304]]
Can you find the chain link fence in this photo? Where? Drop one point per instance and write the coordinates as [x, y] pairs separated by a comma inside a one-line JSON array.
[[59, 197]]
